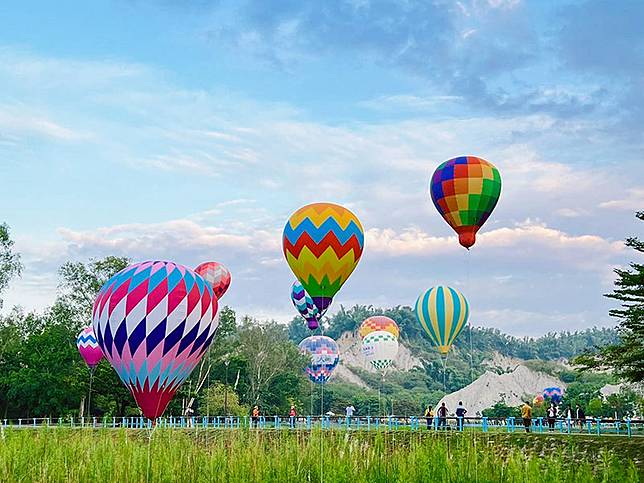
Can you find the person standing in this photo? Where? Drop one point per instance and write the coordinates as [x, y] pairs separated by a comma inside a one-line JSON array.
[[526, 414], [460, 414], [552, 414], [292, 414], [429, 415], [348, 411], [580, 415], [442, 416], [255, 416]]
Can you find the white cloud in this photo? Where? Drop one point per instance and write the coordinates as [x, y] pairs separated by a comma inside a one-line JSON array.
[[634, 201]]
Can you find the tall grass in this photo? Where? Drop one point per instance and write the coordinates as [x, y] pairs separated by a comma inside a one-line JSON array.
[[333, 456]]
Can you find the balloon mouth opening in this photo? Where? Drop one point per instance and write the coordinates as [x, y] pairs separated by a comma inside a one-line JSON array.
[[467, 236], [322, 303]]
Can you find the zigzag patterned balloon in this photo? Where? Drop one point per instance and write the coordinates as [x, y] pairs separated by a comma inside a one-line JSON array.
[[304, 305], [380, 348], [322, 244], [154, 321], [88, 347], [325, 355], [217, 275]]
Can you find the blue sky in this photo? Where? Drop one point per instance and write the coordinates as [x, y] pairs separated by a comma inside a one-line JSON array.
[[155, 130]]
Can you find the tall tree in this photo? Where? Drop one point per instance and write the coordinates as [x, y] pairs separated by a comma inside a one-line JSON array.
[[269, 355], [626, 356], [10, 265], [81, 282]]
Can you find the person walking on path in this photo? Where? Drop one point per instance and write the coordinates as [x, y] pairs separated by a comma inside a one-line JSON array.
[[292, 414], [442, 416], [429, 415], [526, 414], [460, 414]]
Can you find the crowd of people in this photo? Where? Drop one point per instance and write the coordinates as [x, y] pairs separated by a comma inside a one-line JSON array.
[[440, 417]]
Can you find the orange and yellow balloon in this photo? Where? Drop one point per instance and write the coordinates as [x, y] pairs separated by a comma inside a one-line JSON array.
[[377, 323]]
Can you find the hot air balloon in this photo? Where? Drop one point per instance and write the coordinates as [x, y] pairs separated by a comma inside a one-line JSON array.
[[442, 312], [322, 244], [325, 355], [304, 305], [88, 347], [154, 321], [380, 349], [465, 190], [216, 275], [376, 323], [554, 393]]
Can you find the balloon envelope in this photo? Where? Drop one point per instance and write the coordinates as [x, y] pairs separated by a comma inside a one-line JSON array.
[[88, 347], [465, 190], [217, 275], [554, 393], [322, 243], [538, 400], [380, 348], [325, 355], [153, 321], [304, 305], [376, 323], [442, 312]]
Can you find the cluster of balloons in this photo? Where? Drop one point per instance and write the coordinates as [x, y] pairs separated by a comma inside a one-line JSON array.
[[379, 341], [322, 243], [153, 321]]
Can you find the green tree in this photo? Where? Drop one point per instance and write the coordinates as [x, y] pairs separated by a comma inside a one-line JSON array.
[[626, 356], [270, 358], [10, 265], [222, 401], [80, 283]]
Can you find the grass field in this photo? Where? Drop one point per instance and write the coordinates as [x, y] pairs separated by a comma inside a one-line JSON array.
[[208, 455]]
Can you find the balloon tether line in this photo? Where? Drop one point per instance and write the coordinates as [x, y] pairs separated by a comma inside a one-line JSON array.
[[89, 393]]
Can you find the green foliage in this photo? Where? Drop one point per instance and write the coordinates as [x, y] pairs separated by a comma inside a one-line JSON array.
[[222, 400], [10, 265], [293, 456], [502, 410], [626, 356]]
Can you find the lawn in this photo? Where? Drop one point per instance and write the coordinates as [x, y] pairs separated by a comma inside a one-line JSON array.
[[105, 455]]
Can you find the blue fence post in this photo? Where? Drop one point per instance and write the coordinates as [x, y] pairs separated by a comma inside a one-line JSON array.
[[377, 420], [436, 422], [484, 424], [599, 422], [617, 426], [368, 423], [541, 425], [459, 421], [560, 425], [589, 425], [308, 422], [389, 423], [628, 427], [396, 423], [568, 425]]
